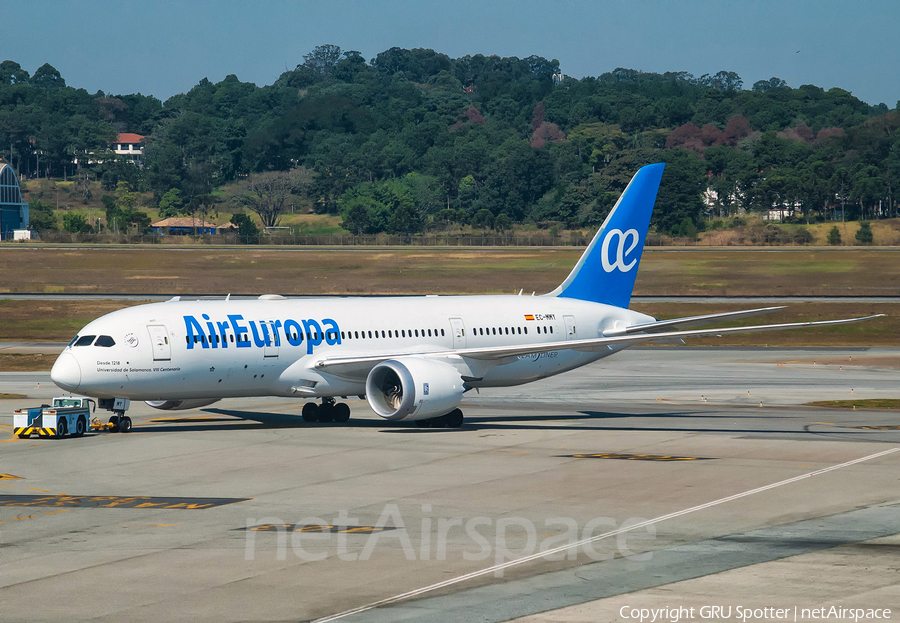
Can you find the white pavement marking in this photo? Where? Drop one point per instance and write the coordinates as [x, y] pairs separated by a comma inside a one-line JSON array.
[[563, 548]]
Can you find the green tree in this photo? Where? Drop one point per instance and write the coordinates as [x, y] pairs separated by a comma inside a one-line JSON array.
[[171, 203], [864, 233], [679, 192], [363, 215], [248, 232], [40, 215], [76, 223], [47, 77], [483, 219], [834, 236]]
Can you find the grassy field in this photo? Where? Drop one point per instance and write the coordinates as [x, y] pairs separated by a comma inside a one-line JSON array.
[[743, 271], [49, 321], [876, 403], [26, 363], [878, 332]]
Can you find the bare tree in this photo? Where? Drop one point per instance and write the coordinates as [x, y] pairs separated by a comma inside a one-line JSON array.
[[268, 194]]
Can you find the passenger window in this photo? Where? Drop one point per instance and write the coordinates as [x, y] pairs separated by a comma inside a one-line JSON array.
[[520, 330], [85, 340], [382, 333], [356, 333], [187, 339], [442, 333], [105, 341], [417, 333], [404, 332], [429, 332], [494, 331], [370, 334], [526, 330], [551, 329]]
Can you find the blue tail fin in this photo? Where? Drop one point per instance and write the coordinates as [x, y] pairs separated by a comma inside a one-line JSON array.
[[606, 271]]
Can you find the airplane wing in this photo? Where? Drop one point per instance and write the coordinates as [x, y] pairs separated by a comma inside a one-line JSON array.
[[691, 321], [359, 365]]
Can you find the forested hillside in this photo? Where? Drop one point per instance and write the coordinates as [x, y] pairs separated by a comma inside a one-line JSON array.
[[414, 140]]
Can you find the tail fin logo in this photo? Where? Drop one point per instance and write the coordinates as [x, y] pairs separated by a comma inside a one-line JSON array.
[[621, 252]]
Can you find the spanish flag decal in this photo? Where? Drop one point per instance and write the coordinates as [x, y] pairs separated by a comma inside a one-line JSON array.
[[529, 317]]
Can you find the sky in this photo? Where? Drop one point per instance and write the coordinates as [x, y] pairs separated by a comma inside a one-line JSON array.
[[164, 47]]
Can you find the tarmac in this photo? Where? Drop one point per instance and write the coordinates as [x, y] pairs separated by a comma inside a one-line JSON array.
[[662, 477]]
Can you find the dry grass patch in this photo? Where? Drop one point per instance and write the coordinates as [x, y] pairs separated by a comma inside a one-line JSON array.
[[738, 272], [874, 403], [877, 332], [51, 321], [26, 363]]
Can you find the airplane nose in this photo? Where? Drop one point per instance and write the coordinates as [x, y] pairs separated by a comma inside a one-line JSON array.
[[66, 372]]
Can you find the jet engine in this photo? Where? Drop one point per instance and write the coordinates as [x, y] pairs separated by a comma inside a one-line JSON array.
[[410, 388], [181, 405]]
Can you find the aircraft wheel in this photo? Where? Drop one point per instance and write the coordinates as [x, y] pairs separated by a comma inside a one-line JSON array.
[[124, 424], [341, 412], [454, 419], [423, 423], [439, 422], [80, 427], [62, 428], [326, 412], [114, 421], [310, 412]]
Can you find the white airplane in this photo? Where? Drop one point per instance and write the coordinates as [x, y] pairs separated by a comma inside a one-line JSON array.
[[412, 358]]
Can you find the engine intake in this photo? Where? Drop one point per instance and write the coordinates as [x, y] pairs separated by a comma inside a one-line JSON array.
[[411, 388], [180, 405]]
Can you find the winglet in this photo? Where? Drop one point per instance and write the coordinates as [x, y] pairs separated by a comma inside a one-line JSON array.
[[607, 269]]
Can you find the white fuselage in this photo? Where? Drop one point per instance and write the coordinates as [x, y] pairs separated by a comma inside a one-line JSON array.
[[270, 347]]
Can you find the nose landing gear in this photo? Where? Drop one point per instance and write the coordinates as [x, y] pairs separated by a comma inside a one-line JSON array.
[[120, 423]]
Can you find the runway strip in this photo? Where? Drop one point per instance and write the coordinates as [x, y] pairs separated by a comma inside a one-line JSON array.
[[583, 542]]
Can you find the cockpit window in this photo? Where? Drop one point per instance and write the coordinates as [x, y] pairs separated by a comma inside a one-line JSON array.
[[84, 340], [105, 340]]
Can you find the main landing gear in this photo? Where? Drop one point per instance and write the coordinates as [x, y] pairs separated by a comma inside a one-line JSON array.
[[328, 411], [454, 419]]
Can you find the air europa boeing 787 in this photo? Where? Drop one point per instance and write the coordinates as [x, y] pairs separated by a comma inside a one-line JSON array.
[[412, 358]]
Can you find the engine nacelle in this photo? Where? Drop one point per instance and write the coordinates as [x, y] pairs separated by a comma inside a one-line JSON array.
[[180, 405], [410, 388]]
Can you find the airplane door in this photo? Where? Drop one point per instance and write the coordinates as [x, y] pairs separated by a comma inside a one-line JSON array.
[[159, 338], [270, 349], [570, 328], [458, 329]]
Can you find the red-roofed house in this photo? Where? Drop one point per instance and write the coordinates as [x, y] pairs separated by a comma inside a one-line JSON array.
[[130, 146]]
